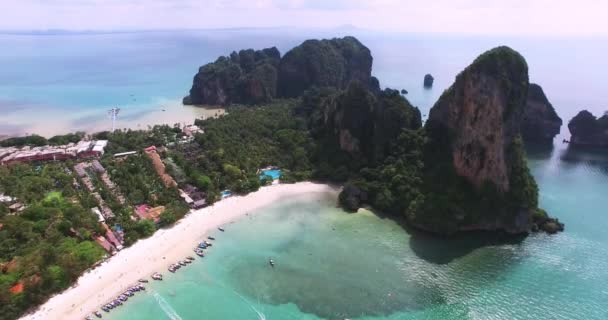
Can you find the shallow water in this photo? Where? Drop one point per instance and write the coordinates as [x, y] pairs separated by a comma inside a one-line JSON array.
[[334, 265]]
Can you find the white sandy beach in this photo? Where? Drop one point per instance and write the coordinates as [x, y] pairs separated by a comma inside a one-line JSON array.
[[98, 286]]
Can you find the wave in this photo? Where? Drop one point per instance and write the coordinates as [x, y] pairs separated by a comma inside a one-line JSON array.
[[166, 307]]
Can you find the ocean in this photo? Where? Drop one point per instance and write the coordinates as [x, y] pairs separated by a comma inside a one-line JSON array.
[[330, 264]]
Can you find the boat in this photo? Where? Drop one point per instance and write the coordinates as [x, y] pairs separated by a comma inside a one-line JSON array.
[[143, 280], [172, 268], [182, 263], [202, 245], [199, 252], [221, 229], [106, 309], [157, 276], [210, 238], [97, 314], [191, 258], [271, 262], [209, 244], [88, 318], [187, 261]]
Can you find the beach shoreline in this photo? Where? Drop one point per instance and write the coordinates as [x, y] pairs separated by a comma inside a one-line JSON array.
[[100, 285]]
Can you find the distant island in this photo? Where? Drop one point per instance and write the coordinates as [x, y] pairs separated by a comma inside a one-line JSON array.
[[313, 114], [589, 131]]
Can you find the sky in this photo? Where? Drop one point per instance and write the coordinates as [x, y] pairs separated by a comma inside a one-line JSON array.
[[538, 17]]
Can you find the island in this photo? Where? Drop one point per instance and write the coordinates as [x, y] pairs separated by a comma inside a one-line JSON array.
[[589, 131], [373, 141], [71, 202], [540, 122], [428, 81]]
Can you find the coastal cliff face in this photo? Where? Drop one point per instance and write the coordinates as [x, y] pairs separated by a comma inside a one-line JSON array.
[[589, 131], [324, 63], [248, 77], [540, 121], [481, 113], [476, 151]]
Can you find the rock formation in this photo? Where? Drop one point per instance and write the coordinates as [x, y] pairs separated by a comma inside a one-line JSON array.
[[254, 77], [247, 77], [365, 124], [428, 81], [589, 131], [482, 111], [540, 121], [475, 147], [324, 63]]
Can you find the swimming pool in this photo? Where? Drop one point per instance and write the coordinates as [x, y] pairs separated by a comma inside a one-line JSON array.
[[273, 173], [226, 193]]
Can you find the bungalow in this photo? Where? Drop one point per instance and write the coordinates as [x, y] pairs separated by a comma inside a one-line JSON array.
[[16, 207], [97, 212], [145, 212], [103, 242], [199, 204]]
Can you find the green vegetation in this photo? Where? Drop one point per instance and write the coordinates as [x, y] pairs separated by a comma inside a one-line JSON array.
[[48, 245]]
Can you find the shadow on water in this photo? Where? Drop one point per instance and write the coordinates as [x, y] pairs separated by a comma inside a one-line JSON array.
[[443, 250]]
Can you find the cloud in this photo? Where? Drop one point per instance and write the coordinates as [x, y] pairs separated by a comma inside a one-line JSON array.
[[556, 17]]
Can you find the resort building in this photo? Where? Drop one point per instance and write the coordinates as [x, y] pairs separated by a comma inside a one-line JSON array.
[[16, 207], [145, 212], [97, 212], [81, 150], [103, 242], [191, 130], [112, 237], [124, 154], [4, 198]]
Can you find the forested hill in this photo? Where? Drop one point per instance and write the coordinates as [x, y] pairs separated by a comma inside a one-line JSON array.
[[255, 77], [464, 171]]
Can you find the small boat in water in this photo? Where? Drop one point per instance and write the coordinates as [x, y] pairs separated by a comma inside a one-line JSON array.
[[143, 280], [105, 308], [209, 244], [221, 229], [97, 314], [88, 318], [210, 238], [157, 276], [191, 258], [182, 263], [199, 252], [271, 262]]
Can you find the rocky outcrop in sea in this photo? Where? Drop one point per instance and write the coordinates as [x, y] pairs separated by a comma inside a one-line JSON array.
[[589, 131], [540, 121]]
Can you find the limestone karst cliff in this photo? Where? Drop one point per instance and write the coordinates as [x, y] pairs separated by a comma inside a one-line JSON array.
[[540, 122]]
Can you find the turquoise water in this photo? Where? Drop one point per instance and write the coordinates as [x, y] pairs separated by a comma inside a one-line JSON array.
[[274, 174], [51, 84], [333, 265]]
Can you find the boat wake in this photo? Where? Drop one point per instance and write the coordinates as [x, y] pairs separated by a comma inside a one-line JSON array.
[[261, 316], [167, 309]]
